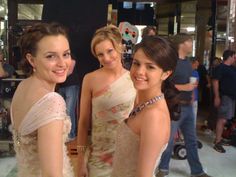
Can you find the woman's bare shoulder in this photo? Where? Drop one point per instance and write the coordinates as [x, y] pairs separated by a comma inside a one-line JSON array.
[[155, 121], [155, 114], [92, 76]]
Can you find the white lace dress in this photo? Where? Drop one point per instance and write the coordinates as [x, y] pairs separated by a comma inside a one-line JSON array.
[[49, 108]]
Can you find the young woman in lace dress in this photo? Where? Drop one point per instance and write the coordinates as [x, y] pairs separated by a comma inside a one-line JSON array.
[[40, 123], [107, 98], [144, 135]]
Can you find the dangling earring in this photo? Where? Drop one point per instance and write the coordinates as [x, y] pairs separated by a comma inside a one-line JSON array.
[[34, 70]]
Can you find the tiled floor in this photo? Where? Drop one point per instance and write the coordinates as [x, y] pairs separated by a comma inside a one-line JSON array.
[[214, 163], [7, 165]]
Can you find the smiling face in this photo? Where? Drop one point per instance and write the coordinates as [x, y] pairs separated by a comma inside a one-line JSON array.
[[107, 55], [145, 73], [52, 59]]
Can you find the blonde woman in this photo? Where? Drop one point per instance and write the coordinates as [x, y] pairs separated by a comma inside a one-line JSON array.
[[107, 98]]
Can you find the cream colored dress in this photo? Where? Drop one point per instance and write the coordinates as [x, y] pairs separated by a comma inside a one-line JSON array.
[[127, 153], [49, 108], [109, 108]]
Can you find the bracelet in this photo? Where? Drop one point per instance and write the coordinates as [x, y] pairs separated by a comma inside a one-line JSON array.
[[81, 149]]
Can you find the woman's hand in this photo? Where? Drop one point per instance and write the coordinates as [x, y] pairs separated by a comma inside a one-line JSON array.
[[82, 168]]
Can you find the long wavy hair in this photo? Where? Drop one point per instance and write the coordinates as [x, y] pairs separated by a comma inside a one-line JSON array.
[[164, 54]]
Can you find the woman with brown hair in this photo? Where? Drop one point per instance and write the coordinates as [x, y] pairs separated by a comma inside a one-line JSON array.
[[38, 113], [144, 135]]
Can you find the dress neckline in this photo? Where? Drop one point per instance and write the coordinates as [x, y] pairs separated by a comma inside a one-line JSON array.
[[141, 106], [108, 86]]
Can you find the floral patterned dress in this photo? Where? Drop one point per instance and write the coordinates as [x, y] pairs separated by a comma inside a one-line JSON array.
[[109, 108], [49, 108]]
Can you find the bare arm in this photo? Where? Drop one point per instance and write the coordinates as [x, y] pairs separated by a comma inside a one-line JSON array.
[[84, 122], [208, 81], [50, 149], [215, 84], [154, 135], [185, 87]]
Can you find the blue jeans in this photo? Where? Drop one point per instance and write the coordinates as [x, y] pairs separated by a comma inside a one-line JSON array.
[[187, 126], [70, 94]]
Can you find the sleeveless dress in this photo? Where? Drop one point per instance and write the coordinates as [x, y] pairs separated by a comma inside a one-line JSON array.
[[49, 108], [109, 108], [127, 153]]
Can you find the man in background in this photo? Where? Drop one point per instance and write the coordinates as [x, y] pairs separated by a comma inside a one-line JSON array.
[[224, 88], [186, 122]]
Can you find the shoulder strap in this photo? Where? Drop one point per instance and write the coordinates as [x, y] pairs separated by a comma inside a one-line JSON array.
[[50, 108]]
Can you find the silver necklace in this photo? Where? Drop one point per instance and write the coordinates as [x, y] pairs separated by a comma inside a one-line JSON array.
[[139, 108]]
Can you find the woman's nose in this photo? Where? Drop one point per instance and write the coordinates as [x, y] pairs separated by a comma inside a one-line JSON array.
[[140, 70], [106, 58], [60, 61]]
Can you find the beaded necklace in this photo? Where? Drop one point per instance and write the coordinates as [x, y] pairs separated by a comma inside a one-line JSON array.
[[143, 105]]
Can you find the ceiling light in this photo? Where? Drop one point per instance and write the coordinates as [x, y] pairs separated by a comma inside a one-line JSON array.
[[190, 29], [1, 8], [231, 38]]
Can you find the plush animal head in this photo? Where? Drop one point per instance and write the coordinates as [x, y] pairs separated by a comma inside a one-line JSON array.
[[129, 32]]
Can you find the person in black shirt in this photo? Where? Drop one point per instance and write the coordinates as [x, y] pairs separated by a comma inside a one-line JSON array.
[[224, 86]]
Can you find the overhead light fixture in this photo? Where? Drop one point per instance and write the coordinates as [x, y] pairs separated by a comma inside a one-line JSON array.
[[231, 38], [1, 8], [190, 29]]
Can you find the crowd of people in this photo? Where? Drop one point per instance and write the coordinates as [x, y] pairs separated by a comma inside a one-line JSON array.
[[131, 114]]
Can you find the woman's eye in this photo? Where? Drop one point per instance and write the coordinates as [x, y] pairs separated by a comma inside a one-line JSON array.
[[135, 63], [151, 67], [99, 55], [67, 55], [51, 56], [110, 50]]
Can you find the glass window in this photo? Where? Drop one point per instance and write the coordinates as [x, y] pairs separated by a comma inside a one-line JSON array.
[[127, 5], [30, 11]]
